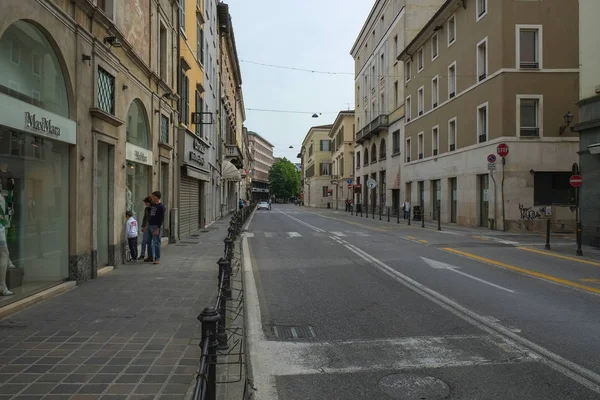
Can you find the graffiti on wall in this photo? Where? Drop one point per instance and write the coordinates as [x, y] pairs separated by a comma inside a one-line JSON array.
[[530, 213]]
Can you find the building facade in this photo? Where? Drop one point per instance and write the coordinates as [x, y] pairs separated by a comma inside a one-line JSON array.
[[231, 115], [341, 136], [86, 132], [262, 156], [379, 92], [316, 168], [478, 75], [589, 121]]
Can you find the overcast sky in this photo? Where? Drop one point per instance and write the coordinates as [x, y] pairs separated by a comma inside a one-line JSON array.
[[304, 34]]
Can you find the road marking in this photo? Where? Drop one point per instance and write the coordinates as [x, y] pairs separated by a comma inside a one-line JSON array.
[[294, 234], [525, 271], [412, 237], [547, 253], [270, 234], [350, 222], [249, 234], [443, 266], [314, 228], [363, 234], [423, 241], [410, 240], [584, 376], [499, 240], [338, 234], [591, 280]]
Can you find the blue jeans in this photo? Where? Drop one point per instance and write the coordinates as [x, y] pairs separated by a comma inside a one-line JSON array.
[[155, 245], [147, 241]]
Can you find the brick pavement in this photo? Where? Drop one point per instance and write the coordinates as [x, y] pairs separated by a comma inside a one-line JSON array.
[[130, 334]]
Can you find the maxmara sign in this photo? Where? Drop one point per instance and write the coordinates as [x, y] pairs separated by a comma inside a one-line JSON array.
[[26, 117], [138, 154]]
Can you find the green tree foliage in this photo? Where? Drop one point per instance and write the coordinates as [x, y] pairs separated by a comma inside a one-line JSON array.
[[284, 180]]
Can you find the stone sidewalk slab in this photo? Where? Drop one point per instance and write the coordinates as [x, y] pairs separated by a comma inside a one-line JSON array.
[[130, 334]]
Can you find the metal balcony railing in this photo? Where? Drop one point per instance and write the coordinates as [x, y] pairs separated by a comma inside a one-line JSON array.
[[379, 123]]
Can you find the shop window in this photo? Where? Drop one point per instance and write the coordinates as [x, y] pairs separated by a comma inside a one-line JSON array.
[[106, 91], [138, 131]]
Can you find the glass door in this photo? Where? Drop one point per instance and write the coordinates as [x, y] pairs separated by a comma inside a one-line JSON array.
[[102, 206], [453, 195], [483, 199]]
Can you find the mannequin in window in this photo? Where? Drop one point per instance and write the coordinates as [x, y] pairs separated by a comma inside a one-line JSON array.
[[7, 188], [4, 255]]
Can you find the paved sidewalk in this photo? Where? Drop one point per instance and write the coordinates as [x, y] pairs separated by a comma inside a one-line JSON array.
[[130, 334]]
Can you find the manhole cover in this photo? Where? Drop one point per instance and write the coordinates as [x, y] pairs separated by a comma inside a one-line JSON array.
[[293, 332], [414, 387]]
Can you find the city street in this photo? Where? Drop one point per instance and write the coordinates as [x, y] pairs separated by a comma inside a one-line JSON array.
[[343, 307]]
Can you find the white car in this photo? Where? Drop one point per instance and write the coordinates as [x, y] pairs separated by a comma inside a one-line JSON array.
[[263, 204]]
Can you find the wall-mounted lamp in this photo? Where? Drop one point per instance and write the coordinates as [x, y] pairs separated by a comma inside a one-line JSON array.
[[568, 117], [531, 171], [113, 41], [86, 57], [170, 96], [81, 158], [125, 87]]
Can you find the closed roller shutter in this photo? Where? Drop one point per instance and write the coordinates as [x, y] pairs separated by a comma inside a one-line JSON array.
[[189, 214]]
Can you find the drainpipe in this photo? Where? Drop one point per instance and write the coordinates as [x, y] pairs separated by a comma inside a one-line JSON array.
[[502, 191]]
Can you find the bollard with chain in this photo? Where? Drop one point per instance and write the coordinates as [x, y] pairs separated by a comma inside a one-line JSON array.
[[222, 324], [380, 212], [228, 248], [423, 217], [209, 318], [409, 217], [579, 228], [439, 215], [398, 215], [388, 210], [547, 246]]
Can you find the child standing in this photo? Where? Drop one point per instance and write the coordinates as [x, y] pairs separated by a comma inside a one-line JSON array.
[[131, 230]]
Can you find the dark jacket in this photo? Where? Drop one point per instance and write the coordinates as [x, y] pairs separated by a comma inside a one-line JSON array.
[[146, 215]]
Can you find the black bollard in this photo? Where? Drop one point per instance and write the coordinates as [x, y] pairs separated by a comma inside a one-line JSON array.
[[222, 324], [408, 217], [209, 318], [579, 228], [398, 215], [422, 217], [380, 212], [439, 214], [547, 246]]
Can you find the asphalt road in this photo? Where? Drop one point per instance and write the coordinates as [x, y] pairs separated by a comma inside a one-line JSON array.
[[343, 307]]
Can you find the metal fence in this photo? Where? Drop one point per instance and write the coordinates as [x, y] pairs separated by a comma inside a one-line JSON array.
[[215, 333]]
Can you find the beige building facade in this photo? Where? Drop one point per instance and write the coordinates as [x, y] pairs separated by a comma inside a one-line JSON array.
[[262, 160], [341, 136], [478, 75], [379, 91], [316, 167], [86, 131]]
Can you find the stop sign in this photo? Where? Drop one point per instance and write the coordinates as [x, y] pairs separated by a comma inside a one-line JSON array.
[[575, 180], [502, 150]]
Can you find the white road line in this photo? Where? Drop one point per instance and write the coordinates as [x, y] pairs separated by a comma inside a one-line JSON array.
[[270, 234], [364, 234], [582, 375], [249, 234], [314, 228], [501, 240], [340, 234], [451, 233], [294, 234]]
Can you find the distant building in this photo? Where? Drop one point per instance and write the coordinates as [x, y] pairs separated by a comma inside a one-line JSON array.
[[316, 167], [262, 154], [298, 166], [342, 156]]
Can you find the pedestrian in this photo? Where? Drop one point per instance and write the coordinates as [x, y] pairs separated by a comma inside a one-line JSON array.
[[131, 233], [406, 209], [269, 204], [241, 204], [146, 234], [155, 221]]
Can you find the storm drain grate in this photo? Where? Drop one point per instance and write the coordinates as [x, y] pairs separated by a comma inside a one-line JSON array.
[[293, 332]]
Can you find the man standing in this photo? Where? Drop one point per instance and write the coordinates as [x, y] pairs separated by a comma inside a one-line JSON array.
[[155, 221], [406, 209]]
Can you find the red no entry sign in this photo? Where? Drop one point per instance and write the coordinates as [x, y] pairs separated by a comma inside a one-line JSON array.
[[575, 180], [502, 150]]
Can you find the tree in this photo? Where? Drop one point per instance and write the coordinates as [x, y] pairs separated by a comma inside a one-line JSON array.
[[284, 180]]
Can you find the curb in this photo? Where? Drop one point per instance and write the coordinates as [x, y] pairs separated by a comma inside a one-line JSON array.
[[36, 298]]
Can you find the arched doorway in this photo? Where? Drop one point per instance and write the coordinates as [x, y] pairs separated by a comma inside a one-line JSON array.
[[35, 139]]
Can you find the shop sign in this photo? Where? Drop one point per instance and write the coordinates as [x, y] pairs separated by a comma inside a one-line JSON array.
[[138, 154], [26, 117], [201, 147], [196, 158]]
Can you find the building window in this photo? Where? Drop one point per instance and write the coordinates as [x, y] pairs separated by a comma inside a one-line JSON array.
[[325, 191], [452, 134], [200, 42], [357, 96], [420, 145], [420, 60], [106, 91], [186, 100], [199, 108], [551, 188], [482, 60], [325, 145], [435, 92], [396, 142], [382, 150], [396, 93], [529, 46], [420, 100], [408, 109], [325, 168], [480, 9], [373, 77], [163, 56], [435, 141], [482, 123], [373, 153], [407, 70], [36, 65], [382, 66], [396, 49], [164, 129], [182, 15], [341, 167], [310, 150], [530, 117], [451, 30], [452, 80], [434, 46], [107, 7], [407, 150], [366, 157], [358, 160]]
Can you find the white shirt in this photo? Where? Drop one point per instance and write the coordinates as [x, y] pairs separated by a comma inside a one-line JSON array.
[[132, 228], [406, 205]]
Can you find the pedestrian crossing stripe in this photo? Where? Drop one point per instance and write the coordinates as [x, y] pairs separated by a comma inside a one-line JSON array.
[[299, 235]]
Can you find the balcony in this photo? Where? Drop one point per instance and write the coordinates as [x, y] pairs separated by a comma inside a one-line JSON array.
[[373, 128], [232, 151]]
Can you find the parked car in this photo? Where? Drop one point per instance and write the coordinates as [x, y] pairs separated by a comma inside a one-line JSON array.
[[263, 204]]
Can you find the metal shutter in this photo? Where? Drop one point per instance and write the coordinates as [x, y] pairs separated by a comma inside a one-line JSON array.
[[189, 215]]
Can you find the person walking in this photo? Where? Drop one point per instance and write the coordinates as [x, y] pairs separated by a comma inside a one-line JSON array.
[[269, 204], [241, 204], [406, 209], [131, 232], [155, 221], [146, 234]]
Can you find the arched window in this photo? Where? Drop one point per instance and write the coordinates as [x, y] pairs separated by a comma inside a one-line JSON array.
[[366, 156], [30, 70], [373, 152], [138, 131], [382, 149]]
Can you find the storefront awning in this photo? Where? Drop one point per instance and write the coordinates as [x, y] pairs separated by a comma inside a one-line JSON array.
[[229, 172]]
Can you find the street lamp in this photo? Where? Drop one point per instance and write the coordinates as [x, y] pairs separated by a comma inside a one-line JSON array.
[[568, 117]]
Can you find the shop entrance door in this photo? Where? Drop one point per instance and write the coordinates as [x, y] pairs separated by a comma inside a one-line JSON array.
[[103, 173], [483, 200]]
